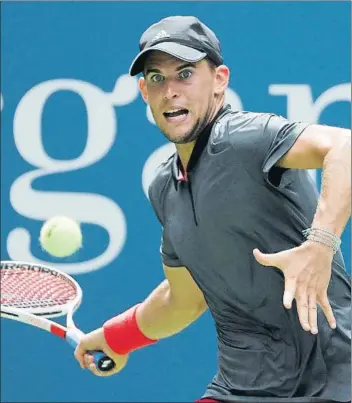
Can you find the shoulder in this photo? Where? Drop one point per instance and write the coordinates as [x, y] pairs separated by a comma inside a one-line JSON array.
[[236, 127], [239, 122]]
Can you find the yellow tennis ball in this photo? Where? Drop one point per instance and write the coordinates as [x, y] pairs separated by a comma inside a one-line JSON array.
[[61, 236]]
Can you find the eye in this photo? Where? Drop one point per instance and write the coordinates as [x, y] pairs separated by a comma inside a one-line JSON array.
[[185, 74], [156, 78]]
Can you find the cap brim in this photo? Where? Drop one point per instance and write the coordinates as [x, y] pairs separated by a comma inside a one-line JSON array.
[[174, 49]]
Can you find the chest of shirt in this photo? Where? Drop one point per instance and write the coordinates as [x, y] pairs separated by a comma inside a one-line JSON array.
[[220, 195]]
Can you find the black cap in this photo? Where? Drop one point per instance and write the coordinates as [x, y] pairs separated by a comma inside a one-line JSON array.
[[185, 38]]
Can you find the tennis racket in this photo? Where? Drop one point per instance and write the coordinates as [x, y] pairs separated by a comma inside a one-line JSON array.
[[31, 293]]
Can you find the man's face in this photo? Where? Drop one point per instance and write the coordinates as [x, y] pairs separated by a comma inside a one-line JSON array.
[[181, 95]]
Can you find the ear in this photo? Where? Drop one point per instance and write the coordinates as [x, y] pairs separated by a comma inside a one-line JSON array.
[[222, 76], [143, 89]]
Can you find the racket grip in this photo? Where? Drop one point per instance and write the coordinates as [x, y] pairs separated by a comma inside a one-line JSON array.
[[101, 360]]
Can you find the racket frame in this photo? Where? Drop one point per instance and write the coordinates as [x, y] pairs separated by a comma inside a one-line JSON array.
[[49, 312], [38, 317]]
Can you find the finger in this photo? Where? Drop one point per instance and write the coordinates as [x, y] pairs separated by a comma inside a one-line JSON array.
[[94, 369], [302, 308], [328, 312], [268, 259], [79, 355], [290, 291], [90, 364], [312, 311], [88, 359]]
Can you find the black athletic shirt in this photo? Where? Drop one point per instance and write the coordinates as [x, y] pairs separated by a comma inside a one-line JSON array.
[[236, 200]]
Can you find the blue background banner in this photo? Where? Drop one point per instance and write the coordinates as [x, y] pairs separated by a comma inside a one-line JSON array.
[[77, 139]]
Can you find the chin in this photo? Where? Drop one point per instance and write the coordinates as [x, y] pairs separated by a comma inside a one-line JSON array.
[[180, 136]]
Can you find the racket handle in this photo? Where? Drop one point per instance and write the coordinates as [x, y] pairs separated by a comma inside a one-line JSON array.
[[101, 360]]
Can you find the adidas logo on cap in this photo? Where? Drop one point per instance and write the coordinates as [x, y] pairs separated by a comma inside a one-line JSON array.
[[160, 35]]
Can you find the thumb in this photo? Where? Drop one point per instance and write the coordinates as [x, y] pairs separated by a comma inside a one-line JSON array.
[[267, 259]]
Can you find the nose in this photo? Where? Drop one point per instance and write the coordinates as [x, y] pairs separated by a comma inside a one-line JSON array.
[[171, 91]]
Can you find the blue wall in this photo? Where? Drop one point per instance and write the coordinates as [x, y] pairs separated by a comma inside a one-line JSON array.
[[74, 143]]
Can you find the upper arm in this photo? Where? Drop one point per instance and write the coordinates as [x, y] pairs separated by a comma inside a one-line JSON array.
[[311, 147], [185, 293]]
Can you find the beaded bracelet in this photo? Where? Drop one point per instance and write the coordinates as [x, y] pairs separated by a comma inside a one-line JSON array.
[[324, 237]]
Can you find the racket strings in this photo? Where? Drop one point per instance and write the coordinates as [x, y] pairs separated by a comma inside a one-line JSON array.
[[23, 288]]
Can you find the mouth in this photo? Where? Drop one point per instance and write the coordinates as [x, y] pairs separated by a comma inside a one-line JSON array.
[[176, 115]]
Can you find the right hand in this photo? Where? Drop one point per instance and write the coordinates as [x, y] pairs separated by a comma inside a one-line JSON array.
[[95, 340]]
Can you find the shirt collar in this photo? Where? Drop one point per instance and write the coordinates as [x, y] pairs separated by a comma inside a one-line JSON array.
[[178, 173]]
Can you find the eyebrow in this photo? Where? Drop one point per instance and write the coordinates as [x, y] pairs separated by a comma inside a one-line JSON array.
[[179, 68]]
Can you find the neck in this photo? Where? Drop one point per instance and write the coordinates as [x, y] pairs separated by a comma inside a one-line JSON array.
[[184, 151]]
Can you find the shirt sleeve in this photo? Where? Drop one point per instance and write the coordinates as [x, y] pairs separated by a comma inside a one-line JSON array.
[[260, 140], [279, 135], [168, 254]]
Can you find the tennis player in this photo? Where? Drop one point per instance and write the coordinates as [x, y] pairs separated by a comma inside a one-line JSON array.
[[245, 233]]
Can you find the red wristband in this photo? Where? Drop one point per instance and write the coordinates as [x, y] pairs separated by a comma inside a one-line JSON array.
[[122, 333]]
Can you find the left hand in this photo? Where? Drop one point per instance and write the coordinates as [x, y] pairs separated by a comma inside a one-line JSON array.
[[307, 271]]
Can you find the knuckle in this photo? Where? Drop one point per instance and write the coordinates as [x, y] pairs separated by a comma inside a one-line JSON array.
[[290, 277], [311, 289], [300, 296], [301, 281], [325, 304], [301, 299]]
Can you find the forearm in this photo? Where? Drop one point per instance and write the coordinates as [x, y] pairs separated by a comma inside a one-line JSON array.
[[160, 315], [334, 206]]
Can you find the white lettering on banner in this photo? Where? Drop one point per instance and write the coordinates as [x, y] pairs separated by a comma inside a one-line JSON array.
[[160, 155], [300, 104], [85, 207], [102, 127], [125, 91]]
